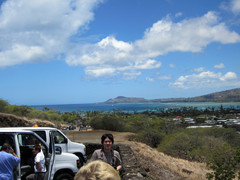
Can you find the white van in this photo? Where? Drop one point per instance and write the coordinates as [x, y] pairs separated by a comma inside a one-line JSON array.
[[60, 140], [59, 165]]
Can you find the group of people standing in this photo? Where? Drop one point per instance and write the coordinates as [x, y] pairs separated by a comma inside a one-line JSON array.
[[9, 160], [104, 164]]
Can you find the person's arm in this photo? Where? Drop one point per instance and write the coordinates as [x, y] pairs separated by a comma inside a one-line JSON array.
[[38, 167], [118, 161], [94, 156], [13, 153]]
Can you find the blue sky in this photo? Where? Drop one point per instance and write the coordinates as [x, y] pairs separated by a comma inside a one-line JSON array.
[[85, 51]]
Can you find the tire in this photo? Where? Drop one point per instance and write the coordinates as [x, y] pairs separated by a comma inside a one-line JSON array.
[[64, 176], [81, 159]]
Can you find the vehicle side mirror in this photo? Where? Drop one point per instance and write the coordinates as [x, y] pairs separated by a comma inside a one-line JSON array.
[[58, 150]]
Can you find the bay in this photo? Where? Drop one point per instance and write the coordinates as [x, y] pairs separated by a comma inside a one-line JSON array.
[[135, 107]]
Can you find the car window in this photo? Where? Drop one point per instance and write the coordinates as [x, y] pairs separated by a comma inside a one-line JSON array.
[[42, 134], [7, 138], [58, 138], [27, 141]]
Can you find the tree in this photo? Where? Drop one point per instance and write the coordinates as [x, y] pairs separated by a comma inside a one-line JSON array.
[[3, 104], [225, 163]]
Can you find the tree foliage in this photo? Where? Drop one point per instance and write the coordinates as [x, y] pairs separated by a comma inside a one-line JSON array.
[[225, 163]]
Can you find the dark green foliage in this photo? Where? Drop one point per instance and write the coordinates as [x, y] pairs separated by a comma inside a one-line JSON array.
[[108, 122], [196, 144], [150, 137], [225, 163], [17, 110], [3, 104]]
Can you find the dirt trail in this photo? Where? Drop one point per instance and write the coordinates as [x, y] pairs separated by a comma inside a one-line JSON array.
[[157, 165]]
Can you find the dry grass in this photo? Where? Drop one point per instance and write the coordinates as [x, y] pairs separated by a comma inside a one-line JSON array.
[[149, 157], [184, 168]]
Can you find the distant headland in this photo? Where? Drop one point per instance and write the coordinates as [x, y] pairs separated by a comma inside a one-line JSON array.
[[232, 95]]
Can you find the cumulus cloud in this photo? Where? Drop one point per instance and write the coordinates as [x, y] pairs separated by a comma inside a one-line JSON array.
[[200, 69], [228, 76], [233, 6], [219, 66], [38, 30], [166, 36], [164, 77], [35, 31], [150, 79], [178, 14], [171, 65], [163, 37], [207, 79]]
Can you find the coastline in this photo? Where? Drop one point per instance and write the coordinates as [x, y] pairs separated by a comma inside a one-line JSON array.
[[134, 107]]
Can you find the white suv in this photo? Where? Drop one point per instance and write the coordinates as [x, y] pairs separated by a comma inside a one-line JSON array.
[[59, 165], [60, 140]]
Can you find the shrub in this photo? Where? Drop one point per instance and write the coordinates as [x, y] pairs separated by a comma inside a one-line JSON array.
[[196, 144], [150, 137], [225, 163]]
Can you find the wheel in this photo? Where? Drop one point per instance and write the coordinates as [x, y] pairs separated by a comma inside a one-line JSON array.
[[64, 176], [81, 161]]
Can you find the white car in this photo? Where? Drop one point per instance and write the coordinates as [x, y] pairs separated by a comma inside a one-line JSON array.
[[60, 140], [59, 165]]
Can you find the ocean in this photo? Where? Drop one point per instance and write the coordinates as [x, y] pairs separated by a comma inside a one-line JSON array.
[[135, 107]]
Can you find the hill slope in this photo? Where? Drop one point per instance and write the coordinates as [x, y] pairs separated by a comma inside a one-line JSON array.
[[232, 95], [9, 120]]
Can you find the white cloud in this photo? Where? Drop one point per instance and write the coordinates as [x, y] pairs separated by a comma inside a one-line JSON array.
[[43, 30], [131, 75], [200, 69], [171, 65], [40, 28], [229, 76], [166, 36], [110, 52], [207, 79], [150, 79], [97, 72], [219, 66], [163, 37], [178, 14], [164, 77], [233, 6], [149, 64]]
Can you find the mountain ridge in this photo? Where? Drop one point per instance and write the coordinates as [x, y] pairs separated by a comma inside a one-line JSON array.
[[232, 95]]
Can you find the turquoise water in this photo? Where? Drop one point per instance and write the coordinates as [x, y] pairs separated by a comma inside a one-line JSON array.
[[135, 107]]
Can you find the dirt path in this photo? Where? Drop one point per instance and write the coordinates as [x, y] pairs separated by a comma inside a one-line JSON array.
[[156, 164]]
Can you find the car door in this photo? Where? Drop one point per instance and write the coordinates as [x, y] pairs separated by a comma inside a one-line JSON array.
[[26, 143], [60, 140]]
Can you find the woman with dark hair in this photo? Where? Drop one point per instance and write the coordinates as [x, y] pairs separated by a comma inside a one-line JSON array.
[[106, 153]]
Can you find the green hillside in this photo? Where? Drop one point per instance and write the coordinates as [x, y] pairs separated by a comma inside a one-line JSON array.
[[232, 95]]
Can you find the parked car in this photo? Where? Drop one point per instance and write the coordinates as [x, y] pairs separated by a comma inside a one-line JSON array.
[[59, 165], [64, 128], [60, 140], [72, 127]]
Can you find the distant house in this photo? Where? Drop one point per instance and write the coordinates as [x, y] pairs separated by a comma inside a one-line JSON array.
[[177, 118], [189, 120]]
